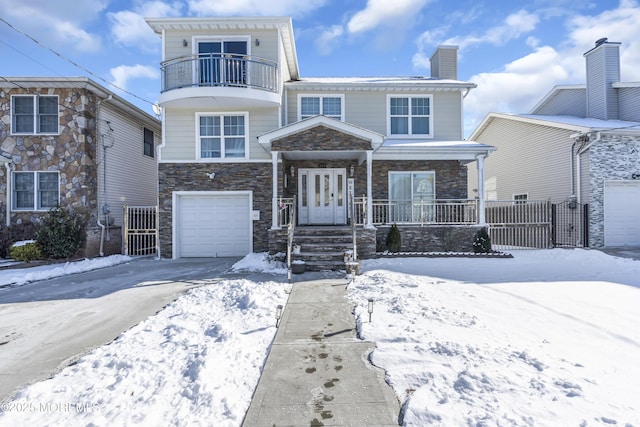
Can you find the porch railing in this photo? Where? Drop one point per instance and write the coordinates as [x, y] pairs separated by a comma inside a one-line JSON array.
[[285, 211], [438, 211], [216, 69]]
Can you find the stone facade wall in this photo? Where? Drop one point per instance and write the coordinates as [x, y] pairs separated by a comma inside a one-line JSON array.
[[431, 238], [615, 157], [72, 153], [320, 138], [255, 177]]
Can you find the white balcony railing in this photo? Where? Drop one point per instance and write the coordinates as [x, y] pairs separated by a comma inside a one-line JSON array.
[[215, 69]]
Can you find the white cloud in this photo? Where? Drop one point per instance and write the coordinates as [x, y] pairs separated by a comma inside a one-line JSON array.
[[384, 13], [128, 27], [123, 73], [294, 8], [328, 39], [56, 23]]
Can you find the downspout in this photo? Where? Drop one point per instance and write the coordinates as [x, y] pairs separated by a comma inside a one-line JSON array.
[[581, 151], [7, 166], [104, 169]]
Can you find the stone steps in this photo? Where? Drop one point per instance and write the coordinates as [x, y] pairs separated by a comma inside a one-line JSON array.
[[322, 248]]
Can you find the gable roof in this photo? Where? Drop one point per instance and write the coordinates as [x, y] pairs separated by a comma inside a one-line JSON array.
[[572, 123], [555, 92]]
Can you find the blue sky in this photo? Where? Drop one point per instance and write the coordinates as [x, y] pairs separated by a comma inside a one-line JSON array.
[[514, 51]]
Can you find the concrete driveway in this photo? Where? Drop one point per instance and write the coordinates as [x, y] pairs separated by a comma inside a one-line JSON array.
[[46, 325]]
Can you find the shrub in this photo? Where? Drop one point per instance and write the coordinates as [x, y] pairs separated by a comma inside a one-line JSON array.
[[60, 233], [26, 252], [15, 233], [393, 241], [482, 241]]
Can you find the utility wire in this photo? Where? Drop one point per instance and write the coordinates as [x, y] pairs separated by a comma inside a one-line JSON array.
[[61, 56]]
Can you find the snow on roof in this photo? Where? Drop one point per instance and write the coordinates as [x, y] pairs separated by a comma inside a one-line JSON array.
[[433, 144], [403, 81]]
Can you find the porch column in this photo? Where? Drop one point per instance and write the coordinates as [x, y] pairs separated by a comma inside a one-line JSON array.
[[274, 191], [369, 190], [480, 166]]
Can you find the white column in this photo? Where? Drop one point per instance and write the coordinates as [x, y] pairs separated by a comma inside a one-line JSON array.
[[369, 189], [481, 195], [274, 200]]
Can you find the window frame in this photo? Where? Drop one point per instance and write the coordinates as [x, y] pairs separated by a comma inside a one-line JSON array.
[[148, 147], [520, 198], [412, 201], [409, 116], [35, 114], [223, 137], [321, 97], [37, 193]]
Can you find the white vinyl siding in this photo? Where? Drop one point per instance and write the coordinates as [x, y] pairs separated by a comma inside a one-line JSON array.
[[629, 105], [181, 133], [131, 177], [523, 151], [570, 102]]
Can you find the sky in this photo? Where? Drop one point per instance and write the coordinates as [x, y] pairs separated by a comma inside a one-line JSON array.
[[515, 51], [463, 341]]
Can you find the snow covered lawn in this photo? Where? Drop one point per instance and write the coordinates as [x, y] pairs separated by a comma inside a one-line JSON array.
[[548, 338]]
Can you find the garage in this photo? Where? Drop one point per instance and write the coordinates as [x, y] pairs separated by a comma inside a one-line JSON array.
[[213, 224], [621, 213]]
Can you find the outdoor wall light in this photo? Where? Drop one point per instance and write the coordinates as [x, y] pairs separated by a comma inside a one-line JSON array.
[[352, 170], [292, 171], [185, 43], [370, 308], [278, 314], [257, 42], [211, 175]]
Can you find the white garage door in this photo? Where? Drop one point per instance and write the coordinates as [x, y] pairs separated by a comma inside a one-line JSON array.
[[214, 225], [622, 213]]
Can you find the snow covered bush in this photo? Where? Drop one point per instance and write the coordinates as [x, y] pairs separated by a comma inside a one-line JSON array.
[[26, 251], [482, 241]]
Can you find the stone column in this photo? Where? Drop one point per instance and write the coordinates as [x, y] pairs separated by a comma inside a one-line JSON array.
[[481, 195], [274, 200], [369, 223]]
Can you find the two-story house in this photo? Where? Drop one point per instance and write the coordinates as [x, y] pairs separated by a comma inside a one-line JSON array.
[[248, 141], [580, 145], [69, 141]]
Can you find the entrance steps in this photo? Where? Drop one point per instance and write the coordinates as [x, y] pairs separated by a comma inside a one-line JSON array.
[[322, 247]]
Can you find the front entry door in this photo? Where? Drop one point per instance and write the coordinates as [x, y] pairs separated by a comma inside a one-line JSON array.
[[325, 194]]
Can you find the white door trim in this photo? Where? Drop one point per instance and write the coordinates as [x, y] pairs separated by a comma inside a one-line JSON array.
[[330, 212]]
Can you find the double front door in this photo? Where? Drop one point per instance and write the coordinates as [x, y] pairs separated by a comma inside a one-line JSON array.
[[322, 196]]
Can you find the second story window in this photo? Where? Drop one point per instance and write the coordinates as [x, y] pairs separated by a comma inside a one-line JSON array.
[[313, 105], [35, 191], [148, 142], [222, 136], [34, 114], [410, 116]]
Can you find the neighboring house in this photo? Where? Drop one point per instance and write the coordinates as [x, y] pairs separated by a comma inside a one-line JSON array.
[[69, 141], [247, 140], [580, 144]]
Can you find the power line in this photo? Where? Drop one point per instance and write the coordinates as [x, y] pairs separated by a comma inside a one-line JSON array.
[[61, 56]]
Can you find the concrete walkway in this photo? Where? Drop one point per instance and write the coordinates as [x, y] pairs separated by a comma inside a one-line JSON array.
[[317, 373]]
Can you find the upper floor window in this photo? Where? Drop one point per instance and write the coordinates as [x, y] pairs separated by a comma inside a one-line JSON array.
[[222, 136], [520, 198], [410, 115], [34, 114], [313, 105], [148, 142], [35, 191]]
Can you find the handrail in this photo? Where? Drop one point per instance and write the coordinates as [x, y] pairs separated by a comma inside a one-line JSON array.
[[219, 69], [291, 229]]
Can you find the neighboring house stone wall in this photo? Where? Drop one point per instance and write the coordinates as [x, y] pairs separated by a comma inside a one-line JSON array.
[[72, 153], [255, 177], [615, 157]]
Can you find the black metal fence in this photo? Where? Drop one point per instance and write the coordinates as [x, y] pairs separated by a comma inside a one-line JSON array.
[[570, 224]]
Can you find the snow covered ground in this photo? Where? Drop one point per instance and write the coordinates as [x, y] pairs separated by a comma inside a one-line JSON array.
[[548, 338]]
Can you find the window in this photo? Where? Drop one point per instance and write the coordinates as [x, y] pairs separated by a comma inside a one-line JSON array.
[[148, 142], [410, 115], [411, 196], [313, 105], [34, 114], [35, 191], [222, 136], [520, 198]]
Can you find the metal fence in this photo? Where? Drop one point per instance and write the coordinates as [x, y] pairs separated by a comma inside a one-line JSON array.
[[519, 224], [570, 224], [141, 230]]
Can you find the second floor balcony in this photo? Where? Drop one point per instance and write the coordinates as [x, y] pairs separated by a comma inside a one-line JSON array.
[[239, 80]]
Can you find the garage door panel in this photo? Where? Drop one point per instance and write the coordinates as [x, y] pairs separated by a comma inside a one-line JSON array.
[[621, 218], [214, 225]]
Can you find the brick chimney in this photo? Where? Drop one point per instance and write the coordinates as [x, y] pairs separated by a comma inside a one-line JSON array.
[[603, 69], [444, 63]]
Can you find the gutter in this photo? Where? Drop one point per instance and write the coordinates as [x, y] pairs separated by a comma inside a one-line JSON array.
[[104, 184]]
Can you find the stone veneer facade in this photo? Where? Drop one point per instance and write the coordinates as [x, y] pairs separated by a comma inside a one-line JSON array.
[[615, 157], [72, 153]]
